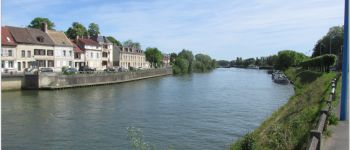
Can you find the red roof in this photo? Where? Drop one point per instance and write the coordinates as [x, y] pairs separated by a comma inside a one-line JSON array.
[[88, 42], [6, 37], [76, 48]]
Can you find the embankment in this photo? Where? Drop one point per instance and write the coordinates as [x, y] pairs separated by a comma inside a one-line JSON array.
[[289, 126], [59, 80]]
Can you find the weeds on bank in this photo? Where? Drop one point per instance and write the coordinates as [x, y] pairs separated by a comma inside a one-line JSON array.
[[289, 126]]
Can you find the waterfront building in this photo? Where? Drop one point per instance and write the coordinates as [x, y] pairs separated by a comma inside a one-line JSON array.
[[127, 57], [166, 60], [34, 48], [79, 56], [92, 52], [63, 49], [8, 52], [107, 51]]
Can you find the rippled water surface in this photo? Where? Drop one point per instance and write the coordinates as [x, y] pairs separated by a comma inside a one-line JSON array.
[[198, 111]]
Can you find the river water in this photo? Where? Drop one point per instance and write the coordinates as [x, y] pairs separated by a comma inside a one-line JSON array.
[[197, 111]]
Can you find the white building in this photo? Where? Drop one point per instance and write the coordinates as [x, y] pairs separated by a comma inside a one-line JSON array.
[[92, 52], [107, 51], [126, 57], [8, 52], [63, 50]]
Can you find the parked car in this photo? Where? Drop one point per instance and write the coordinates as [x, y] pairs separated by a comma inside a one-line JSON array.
[[110, 69], [46, 70], [121, 69], [87, 69], [70, 71]]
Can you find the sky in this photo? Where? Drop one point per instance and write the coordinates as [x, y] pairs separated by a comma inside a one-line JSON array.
[[223, 29]]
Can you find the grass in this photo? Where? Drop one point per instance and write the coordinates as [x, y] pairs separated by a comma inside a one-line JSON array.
[[289, 126]]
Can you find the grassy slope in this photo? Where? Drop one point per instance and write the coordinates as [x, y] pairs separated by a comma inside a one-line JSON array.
[[289, 126]]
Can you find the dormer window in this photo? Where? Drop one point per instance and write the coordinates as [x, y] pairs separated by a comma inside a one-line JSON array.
[[8, 39], [40, 39]]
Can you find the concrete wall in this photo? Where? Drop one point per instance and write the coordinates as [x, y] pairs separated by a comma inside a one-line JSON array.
[[14, 82], [55, 81]]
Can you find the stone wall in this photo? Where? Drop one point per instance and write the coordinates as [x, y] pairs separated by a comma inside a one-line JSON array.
[[13, 82], [58, 80]]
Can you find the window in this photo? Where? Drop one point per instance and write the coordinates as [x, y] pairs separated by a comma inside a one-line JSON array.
[[8, 39], [98, 55], [70, 53], [50, 63], [49, 52], [92, 55], [104, 54], [40, 39], [64, 53], [71, 63], [39, 52], [10, 64], [24, 64], [10, 52], [2, 64], [29, 54], [23, 53]]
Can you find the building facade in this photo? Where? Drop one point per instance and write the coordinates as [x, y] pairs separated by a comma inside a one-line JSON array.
[[8, 52], [107, 51], [35, 48], [127, 57], [63, 50], [92, 52]]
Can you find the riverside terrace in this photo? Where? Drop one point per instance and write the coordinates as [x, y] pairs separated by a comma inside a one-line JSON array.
[[55, 80]]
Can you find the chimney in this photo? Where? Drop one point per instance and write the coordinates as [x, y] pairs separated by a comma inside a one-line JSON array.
[[44, 27]]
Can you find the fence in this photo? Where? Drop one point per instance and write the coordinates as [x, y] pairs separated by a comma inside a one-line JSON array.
[[316, 134]]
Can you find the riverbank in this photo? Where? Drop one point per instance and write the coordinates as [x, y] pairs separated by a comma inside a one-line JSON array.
[[289, 126], [59, 81]]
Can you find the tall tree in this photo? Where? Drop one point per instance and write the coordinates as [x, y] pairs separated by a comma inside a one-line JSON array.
[[130, 43], [332, 42], [186, 54], [37, 23], [77, 29], [94, 30], [154, 56], [114, 41], [173, 57]]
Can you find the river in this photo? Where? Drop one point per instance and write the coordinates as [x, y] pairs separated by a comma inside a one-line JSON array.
[[197, 111]]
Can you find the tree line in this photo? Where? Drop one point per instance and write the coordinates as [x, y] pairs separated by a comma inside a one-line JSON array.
[[186, 62]]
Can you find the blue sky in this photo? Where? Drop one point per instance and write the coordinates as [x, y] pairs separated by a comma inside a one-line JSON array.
[[224, 29]]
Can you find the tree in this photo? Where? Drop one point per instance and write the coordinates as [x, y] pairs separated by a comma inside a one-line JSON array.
[[130, 43], [172, 57], [94, 30], [332, 40], [114, 41], [223, 63], [154, 56], [288, 58], [186, 54], [77, 29], [37, 23], [181, 66]]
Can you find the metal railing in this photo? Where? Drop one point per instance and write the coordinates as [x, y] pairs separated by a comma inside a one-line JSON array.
[[316, 134]]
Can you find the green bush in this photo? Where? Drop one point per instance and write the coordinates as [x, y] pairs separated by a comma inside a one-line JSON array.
[[320, 63], [333, 120]]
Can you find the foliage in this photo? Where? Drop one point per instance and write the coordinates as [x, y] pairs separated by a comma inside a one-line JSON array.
[[94, 30], [202, 63], [77, 29], [186, 54], [333, 120], [181, 66], [288, 58], [320, 63], [331, 42], [154, 56], [223, 63], [37, 23], [132, 44], [172, 57], [114, 41], [185, 62], [289, 126]]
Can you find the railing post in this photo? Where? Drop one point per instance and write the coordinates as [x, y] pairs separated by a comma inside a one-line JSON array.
[[318, 135]]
